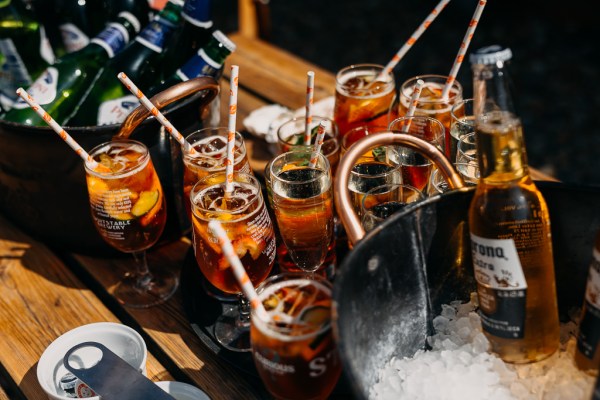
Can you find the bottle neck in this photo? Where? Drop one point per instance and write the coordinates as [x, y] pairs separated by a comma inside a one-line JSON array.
[[197, 13], [116, 35]]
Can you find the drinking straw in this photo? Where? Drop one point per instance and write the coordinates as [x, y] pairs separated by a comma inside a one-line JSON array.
[[414, 37], [310, 90], [318, 143], [91, 163], [238, 270], [231, 133], [463, 48], [157, 114], [414, 99]]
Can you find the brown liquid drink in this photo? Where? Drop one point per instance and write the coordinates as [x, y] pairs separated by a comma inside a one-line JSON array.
[[295, 353], [127, 204], [361, 101], [211, 145], [431, 103], [244, 217]]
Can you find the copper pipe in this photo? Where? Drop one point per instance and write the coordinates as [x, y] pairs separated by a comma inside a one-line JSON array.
[[352, 224], [168, 96]]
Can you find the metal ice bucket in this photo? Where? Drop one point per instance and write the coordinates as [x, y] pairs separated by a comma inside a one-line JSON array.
[[42, 180]]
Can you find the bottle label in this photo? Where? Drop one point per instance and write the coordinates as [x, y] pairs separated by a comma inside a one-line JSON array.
[[199, 65], [502, 288], [46, 47], [115, 111], [155, 34], [73, 38], [589, 327], [13, 72], [112, 39], [197, 12], [43, 90]]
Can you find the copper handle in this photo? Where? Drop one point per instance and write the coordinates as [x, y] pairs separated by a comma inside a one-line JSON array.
[[352, 224], [168, 96]]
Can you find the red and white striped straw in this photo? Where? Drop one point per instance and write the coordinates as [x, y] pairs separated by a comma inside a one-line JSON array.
[[310, 90], [411, 41], [188, 148], [463, 48], [91, 163], [318, 143], [233, 93], [238, 269], [414, 100]]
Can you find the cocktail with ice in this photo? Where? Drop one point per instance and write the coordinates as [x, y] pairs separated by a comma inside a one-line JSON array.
[[244, 216], [210, 145], [431, 103], [129, 211], [360, 100], [294, 351]]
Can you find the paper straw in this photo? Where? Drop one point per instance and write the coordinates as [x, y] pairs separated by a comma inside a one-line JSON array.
[[318, 143], [463, 48], [238, 270], [91, 163], [231, 134], [414, 37], [414, 99], [310, 90], [157, 114]]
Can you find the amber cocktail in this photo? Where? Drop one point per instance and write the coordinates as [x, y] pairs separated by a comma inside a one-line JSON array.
[[360, 100], [295, 353], [129, 211]]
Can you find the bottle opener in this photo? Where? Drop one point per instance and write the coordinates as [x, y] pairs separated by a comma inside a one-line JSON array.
[[112, 378]]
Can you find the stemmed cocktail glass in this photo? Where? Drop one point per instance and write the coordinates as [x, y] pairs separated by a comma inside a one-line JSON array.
[[303, 204], [244, 216], [129, 211]]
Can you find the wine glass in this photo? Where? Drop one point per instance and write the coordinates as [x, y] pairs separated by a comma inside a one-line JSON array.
[[381, 202], [129, 211], [466, 158], [303, 205], [244, 216]]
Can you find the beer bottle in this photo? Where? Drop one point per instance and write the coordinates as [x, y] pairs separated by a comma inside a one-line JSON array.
[[24, 49], [75, 27], [141, 9], [61, 86], [109, 101], [509, 225], [194, 34], [587, 354]]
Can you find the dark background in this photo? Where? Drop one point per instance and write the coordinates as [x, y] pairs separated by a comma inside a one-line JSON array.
[[555, 66]]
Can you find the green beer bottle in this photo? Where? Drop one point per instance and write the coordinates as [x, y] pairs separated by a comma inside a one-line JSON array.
[[62, 86], [24, 49], [75, 26], [109, 101], [195, 34]]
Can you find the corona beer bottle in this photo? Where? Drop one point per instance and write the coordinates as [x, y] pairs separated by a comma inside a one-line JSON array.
[[509, 225]]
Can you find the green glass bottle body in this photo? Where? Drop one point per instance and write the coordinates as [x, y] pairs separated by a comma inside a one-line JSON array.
[[509, 225], [109, 101], [194, 34], [62, 86], [24, 49]]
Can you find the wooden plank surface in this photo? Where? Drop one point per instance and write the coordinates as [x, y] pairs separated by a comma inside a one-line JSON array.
[[42, 299], [168, 326]]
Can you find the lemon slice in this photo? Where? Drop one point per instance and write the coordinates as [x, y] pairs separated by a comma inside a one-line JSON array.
[[145, 203]]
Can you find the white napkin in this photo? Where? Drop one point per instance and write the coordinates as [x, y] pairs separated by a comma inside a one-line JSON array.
[[264, 121]]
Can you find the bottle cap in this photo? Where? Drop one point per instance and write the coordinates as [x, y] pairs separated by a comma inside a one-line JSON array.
[[490, 55], [224, 40]]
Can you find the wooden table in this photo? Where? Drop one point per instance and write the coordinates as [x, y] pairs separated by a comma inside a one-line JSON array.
[[45, 293]]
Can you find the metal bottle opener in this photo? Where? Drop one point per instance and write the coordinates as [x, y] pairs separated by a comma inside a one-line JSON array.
[[112, 378]]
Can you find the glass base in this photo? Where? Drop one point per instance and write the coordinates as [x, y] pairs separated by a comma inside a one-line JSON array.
[[158, 289], [231, 332]]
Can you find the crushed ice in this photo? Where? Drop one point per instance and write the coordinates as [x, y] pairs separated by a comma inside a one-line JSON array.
[[459, 366]]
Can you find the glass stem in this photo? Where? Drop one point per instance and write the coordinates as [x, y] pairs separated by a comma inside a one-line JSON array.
[[143, 275], [244, 311]]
